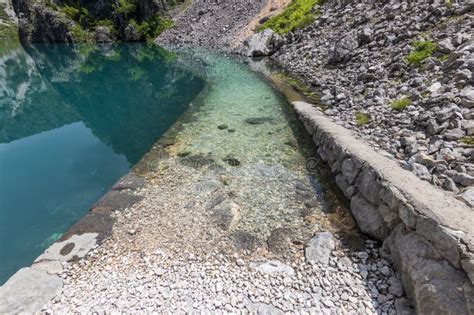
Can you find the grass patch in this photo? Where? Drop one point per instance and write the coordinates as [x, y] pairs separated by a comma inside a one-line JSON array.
[[297, 15], [302, 88], [401, 104], [361, 119], [467, 140], [420, 51]]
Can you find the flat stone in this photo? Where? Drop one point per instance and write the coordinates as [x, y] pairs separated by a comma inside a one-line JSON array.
[[320, 247], [52, 267], [76, 246], [27, 291], [274, 267], [258, 120], [263, 309]]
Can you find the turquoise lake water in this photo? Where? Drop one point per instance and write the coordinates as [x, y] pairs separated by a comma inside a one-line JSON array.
[[72, 122]]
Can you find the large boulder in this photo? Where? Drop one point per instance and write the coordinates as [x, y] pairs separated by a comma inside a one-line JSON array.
[[261, 44], [344, 49]]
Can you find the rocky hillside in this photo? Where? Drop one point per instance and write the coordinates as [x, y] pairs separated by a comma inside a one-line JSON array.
[[91, 21], [213, 24]]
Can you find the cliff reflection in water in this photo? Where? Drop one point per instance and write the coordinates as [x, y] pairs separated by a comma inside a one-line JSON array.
[[73, 119], [126, 94]]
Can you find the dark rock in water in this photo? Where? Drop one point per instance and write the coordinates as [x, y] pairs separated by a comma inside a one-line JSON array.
[[93, 222], [67, 249], [246, 241], [232, 161], [222, 127], [226, 215], [231, 130], [279, 241], [184, 153], [197, 161], [258, 120]]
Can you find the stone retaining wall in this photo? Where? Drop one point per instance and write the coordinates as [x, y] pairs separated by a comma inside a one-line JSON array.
[[426, 232]]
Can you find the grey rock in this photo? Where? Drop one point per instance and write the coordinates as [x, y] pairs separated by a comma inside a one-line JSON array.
[[467, 196], [365, 36], [464, 179], [368, 217], [77, 246], [350, 170], [27, 291], [421, 171], [449, 185], [396, 287], [467, 95], [446, 46], [263, 309], [274, 267], [320, 247], [103, 34], [344, 49], [264, 43]]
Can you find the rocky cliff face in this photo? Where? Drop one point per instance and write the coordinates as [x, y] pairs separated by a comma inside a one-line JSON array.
[[91, 21]]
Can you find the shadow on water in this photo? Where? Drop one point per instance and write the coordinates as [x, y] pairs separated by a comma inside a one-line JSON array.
[[74, 119]]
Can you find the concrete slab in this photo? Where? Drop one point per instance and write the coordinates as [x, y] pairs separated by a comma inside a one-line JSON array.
[[27, 291]]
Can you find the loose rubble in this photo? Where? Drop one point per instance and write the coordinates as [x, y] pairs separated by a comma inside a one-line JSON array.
[[355, 53]]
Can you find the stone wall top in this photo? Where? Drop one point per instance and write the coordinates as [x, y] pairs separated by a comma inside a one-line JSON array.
[[429, 200]]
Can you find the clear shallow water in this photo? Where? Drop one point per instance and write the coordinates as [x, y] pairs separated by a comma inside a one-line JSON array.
[[73, 121]]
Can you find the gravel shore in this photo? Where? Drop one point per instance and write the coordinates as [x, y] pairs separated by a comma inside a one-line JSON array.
[[231, 219]]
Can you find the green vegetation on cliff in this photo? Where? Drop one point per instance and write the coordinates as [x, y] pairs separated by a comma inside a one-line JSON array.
[[152, 27], [298, 14], [8, 29]]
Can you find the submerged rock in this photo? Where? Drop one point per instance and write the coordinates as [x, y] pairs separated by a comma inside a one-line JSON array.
[[279, 241], [320, 247], [258, 120], [231, 161]]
